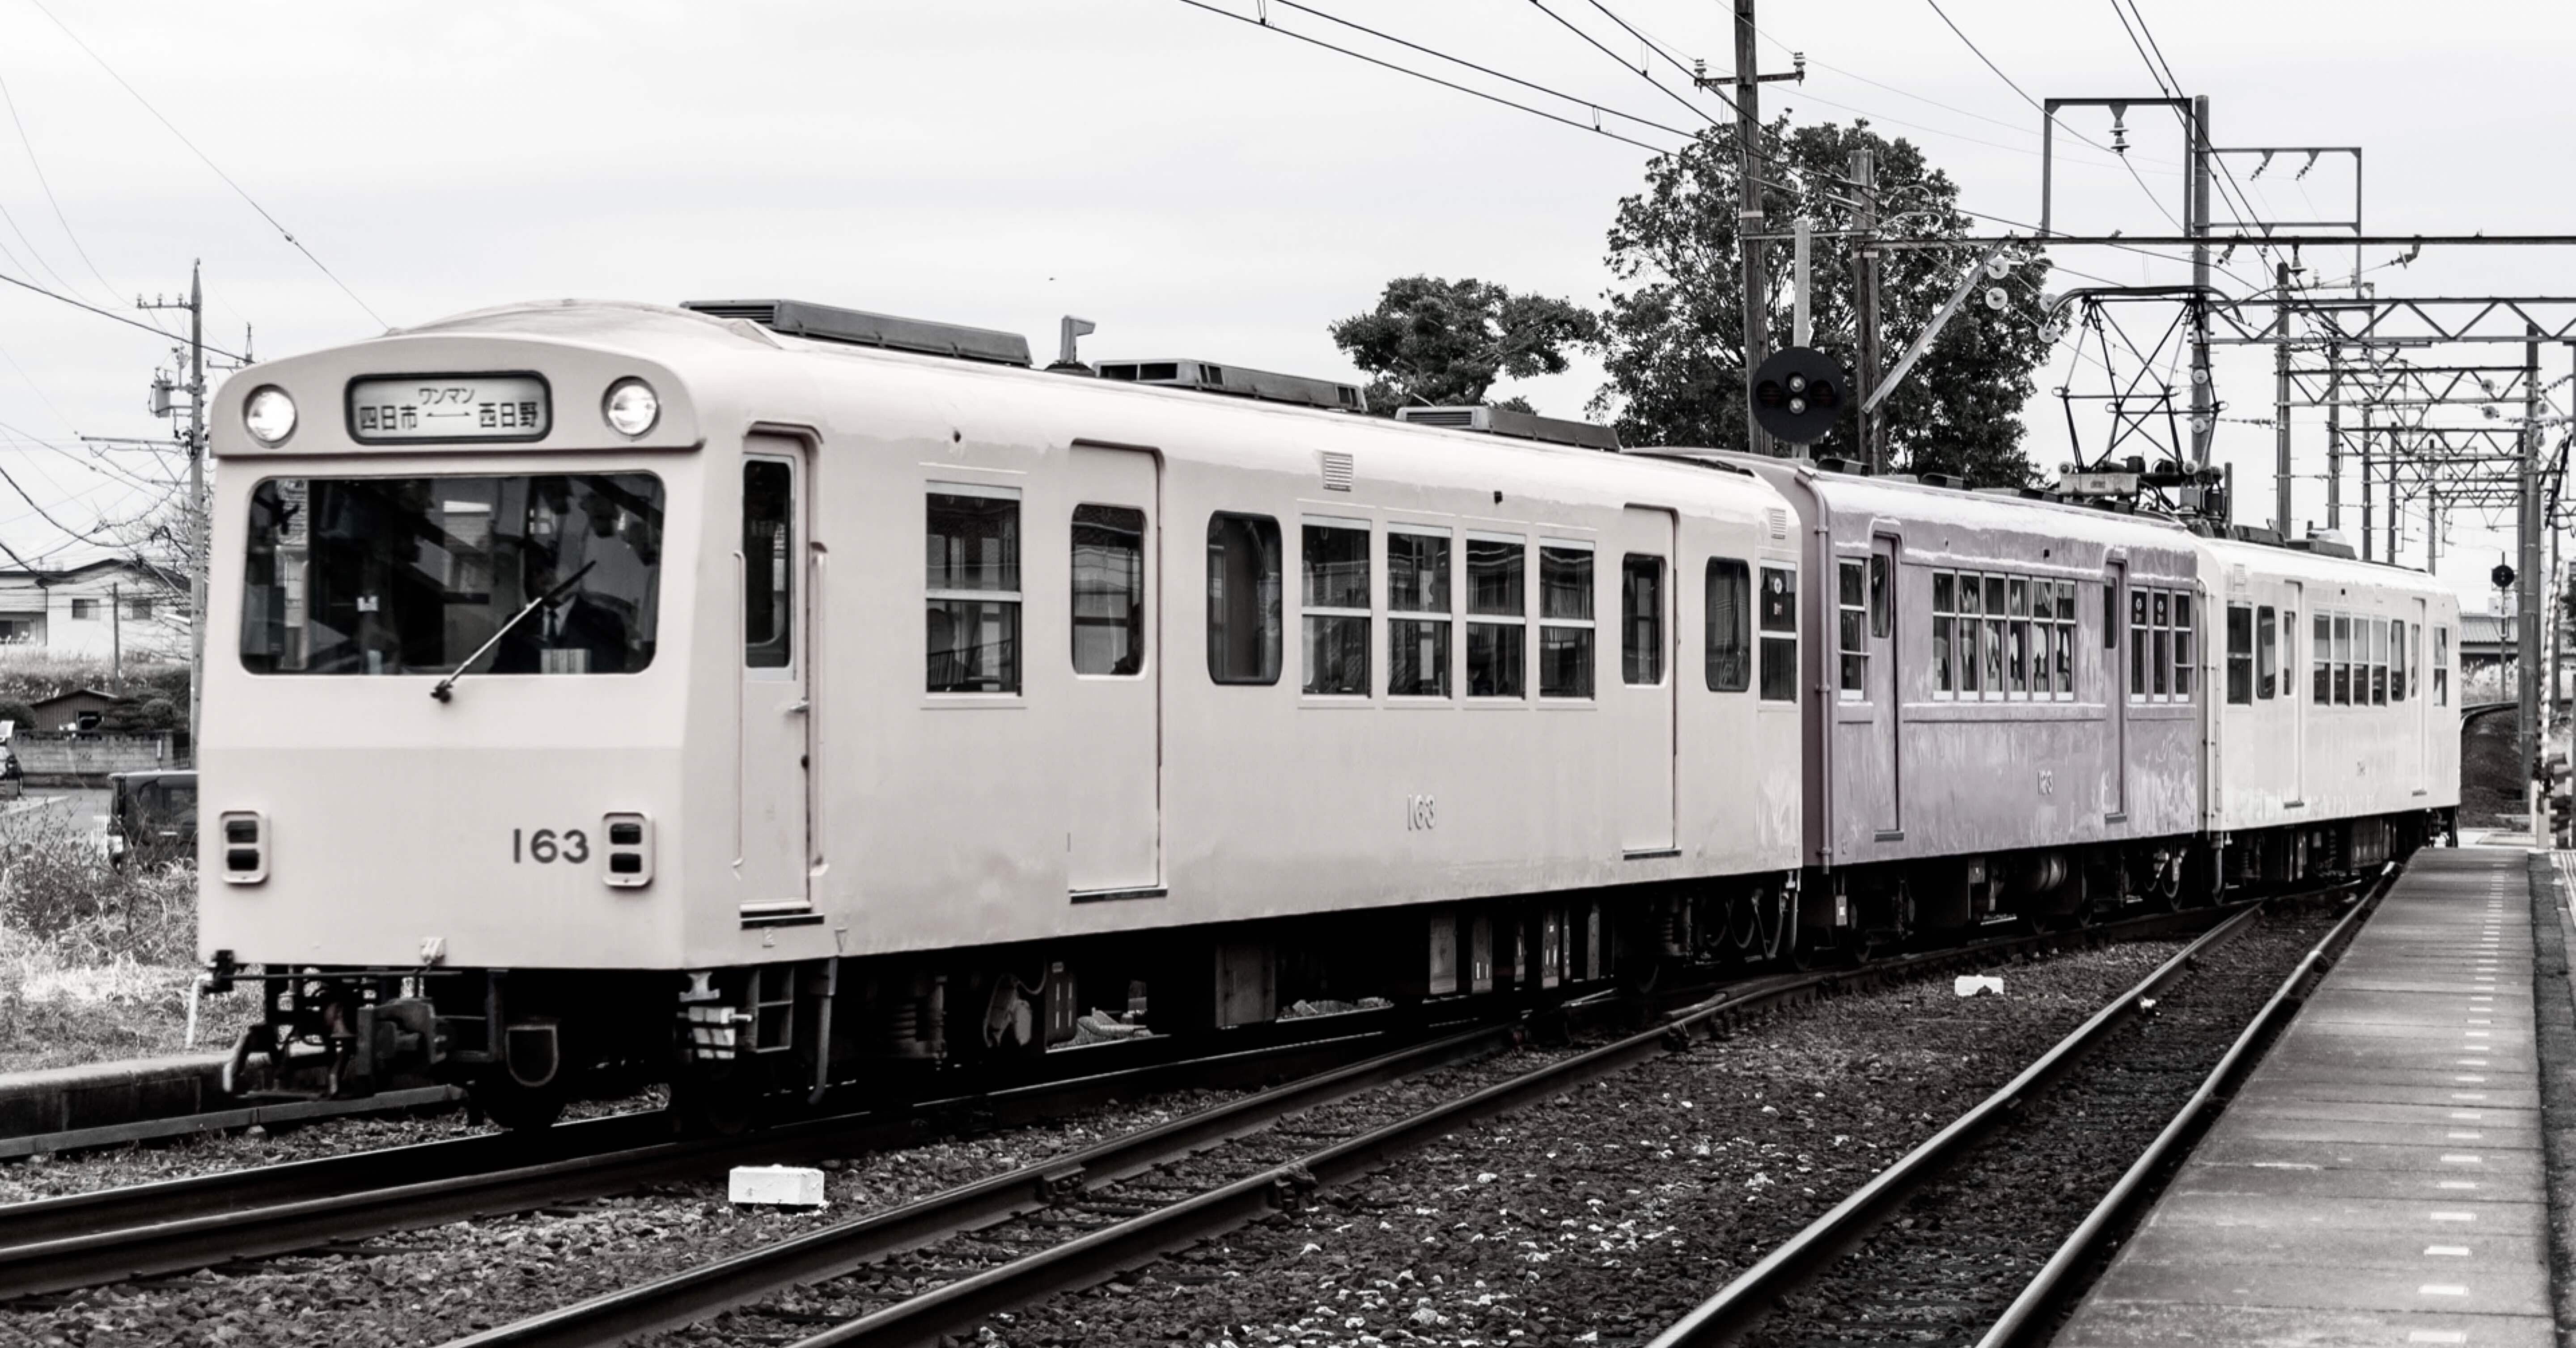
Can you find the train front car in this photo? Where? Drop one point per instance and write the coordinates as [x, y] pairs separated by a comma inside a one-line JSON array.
[[451, 616]]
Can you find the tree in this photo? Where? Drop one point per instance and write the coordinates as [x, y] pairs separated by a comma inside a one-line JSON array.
[[1673, 335], [1432, 342]]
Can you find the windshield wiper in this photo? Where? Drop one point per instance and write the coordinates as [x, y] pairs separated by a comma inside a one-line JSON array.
[[441, 690]]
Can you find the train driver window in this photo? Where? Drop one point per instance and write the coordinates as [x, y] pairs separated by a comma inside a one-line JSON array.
[[1417, 604], [2397, 681], [1108, 590], [1565, 619], [769, 563], [1498, 615], [1730, 626], [2441, 666], [2321, 659], [1779, 634], [1641, 619], [1851, 612], [1945, 610], [973, 580], [1244, 585], [2240, 655], [2267, 652], [1334, 567]]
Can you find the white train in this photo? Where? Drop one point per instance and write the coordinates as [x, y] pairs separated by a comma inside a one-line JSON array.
[[779, 696]]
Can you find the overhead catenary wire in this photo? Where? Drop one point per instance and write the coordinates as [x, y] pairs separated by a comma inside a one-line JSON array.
[[2015, 86], [1422, 75], [28, 143], [208, 160], [1638, 71]]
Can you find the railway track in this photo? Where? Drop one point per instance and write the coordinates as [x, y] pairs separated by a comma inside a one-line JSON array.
[[1128, 1209], [1840, 1244]]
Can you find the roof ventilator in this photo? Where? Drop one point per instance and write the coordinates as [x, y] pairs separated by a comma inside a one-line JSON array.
[[1242, 383], [856, 327], [1517, 425]]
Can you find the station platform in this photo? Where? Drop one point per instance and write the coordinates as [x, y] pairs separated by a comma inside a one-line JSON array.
[[2380, 1178]]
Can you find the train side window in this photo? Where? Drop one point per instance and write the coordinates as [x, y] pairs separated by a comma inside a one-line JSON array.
[[2289, 654], [2396, 660], [2017, 636], [1108, 590], [1334, 597], [1498, 613], [2066, 640], [973, 580], [1244, 589], [2240, 655], [1641, 619], [769, 563], [1851, 611], [2186, 635], [1994, 638], [1879, 616], [1565, 619], [2160, 659], [1945, 621], [1417, 587], [2441, 666], [1730, 626], [2321, 659], [2379, 662], [1779, 634], [2343, 660], [2110, 615], [2139, 642], [1972, 603], [2267, 652]]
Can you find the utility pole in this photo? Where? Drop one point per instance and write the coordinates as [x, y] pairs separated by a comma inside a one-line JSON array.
[[2204, 415], [196, 524], [2334, 451], [1748, 216], [116, 639], [2281, 396], [2365, 493], [2531, 740], [1864, 173]]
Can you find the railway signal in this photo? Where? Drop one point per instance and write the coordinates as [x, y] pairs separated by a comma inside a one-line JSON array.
[[1798, 394]]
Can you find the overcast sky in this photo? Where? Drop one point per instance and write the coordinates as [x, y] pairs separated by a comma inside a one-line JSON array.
[[1195, 185]]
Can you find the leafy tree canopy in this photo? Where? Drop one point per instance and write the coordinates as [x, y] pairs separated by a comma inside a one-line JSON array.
[[1673, 334], [1432, 342]]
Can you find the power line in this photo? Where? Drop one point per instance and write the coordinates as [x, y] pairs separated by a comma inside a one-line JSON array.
[[134, 323], [28, 143], [2157, 201], [208, 161], [1482, 70], [1420, 75], [1639, 71], [1669, 59]]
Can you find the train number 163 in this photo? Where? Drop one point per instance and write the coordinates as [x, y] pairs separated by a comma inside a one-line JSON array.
[[545, 846], [1418, 814]]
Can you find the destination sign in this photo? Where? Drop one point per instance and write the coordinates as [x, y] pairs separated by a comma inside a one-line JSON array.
[[449, 407]]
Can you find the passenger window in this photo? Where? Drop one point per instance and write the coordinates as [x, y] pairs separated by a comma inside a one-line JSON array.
[[2160, 661], [2139, 644], [1972, 602], [1335, 599], [2267, 652], [1878, 597], [1108, 590], [2441, 666], [2397, 681], [1244, 585], [2289, 654], [1730, 626], [1498, 612], [1994, 639], [1565, 620], [2378, 662], [2240, 654], [974, 592], [2017, 637], [1779, 635], [1851, 612], [1417, 583], [1945, 620], [2321, 658], [2066, 639], [1641, 619], [2342, 660], [2185, 648], [768, 563]]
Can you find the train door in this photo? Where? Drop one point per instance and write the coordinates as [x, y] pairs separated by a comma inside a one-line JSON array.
[[2293, 688], [2116, 642], [1114, 804], [773, 837], [2409, 657], [1884, 704], [1641, 703]]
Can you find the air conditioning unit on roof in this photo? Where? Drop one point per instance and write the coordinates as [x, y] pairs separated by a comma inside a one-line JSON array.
[[1518, 425]]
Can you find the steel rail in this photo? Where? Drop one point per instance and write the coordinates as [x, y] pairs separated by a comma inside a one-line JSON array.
[[2047, 1288], [1742, 1303], [205, 1225], [739, 1279]]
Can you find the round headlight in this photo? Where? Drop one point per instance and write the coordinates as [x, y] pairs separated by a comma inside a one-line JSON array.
[[631, 408], [269, 415]]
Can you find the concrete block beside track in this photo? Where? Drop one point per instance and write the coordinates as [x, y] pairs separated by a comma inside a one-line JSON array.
[[98, 1095]]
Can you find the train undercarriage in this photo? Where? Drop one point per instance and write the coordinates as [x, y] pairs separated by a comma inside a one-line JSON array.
[[738, 1045]]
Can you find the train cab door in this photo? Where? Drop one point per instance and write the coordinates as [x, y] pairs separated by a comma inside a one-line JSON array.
[[2121, 665], [1113, 717], [773, 835], [1641, 702]]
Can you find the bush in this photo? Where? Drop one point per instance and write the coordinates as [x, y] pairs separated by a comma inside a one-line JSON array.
[[18, 712], [161, 713], [30, 677], [57, 889]]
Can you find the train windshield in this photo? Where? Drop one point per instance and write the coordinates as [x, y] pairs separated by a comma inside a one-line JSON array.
[[411, 575]]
